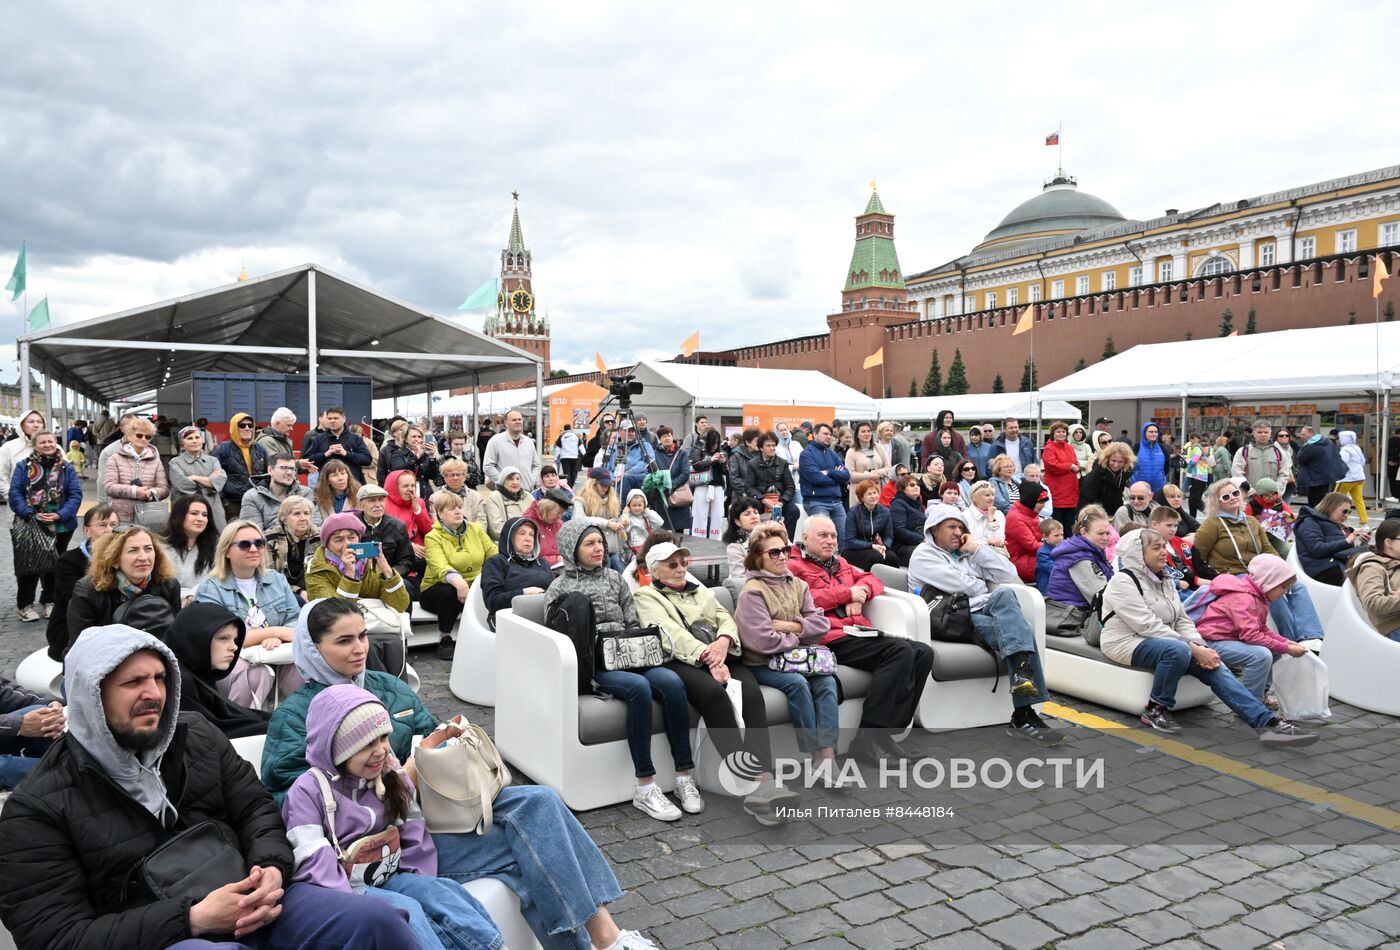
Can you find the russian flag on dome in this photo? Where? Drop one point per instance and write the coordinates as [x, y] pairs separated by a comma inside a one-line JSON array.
[[1053, 138]]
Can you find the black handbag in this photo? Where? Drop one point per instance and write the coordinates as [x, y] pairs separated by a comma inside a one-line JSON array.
[[949, 616], [198, 860], [35, 552]]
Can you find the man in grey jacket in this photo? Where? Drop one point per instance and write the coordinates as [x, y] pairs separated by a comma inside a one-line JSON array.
[[951, 561], [261, 502], [513, 448]]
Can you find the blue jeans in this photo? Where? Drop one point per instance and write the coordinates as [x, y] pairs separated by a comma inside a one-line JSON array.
[[636, 690], [540, 851], [1170, 660], [1004, 630], [1254, 662], [19, 754], [1393, 635], [812, 703], [832, 508], [318, 918], [1296, 616], [440, 912]]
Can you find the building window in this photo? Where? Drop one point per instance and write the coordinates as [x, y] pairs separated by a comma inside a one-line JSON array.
[[991, 299], [1035, 293], [1307, 248], [1164, 271], [1135, 276], [1266, 255], [1110, 280], [1057, 289], [1346, 241], [1390, 233], [1013, 296], [970, 304], [1081, 285], [1215, 266]]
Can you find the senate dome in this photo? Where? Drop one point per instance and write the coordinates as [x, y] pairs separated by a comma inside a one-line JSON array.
[[1060, 209]]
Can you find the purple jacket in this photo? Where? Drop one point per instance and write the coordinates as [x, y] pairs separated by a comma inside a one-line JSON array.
[[358, 811], [1066, 554], [756, 633]]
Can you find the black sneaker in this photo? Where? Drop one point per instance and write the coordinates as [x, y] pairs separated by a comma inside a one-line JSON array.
[[1286, 733], [446, 648], [1159, 718], [1035, 730], [1022, 684]]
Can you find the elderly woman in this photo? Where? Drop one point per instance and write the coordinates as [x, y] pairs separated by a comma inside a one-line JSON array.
[[336, 489], [1082, 569], [985, 522], [1006, 490], [242, 582], [1229, 539], [1325, 542], [1174, 498], [292, 542], [509, 500], [1107, 483], [907, 517], [776, 616], [457, 548], [336, 571], [192, 541], [127, 567], [515, 569], [454, 473], [701, 644], [197, 473], [1062, 473], [868, 538], [44, 495], [867, 459], [135, 479], [1147, 628], [547, 514]]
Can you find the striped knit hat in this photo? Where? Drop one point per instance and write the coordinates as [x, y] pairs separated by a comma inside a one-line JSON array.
[[361, 726]]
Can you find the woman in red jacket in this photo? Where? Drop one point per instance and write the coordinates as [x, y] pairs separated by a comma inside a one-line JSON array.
[[1062, 473], [1023, 530]]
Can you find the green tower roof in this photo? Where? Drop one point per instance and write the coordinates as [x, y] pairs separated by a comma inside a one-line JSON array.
[[874, 206], [874, 262], [516, 245]]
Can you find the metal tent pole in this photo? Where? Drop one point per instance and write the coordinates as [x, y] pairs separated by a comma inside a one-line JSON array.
[[539, 408], [476, 414], [312, 405], [1382, 477], [48, 400]]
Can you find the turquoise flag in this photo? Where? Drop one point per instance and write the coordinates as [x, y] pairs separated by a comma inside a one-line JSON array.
[[17, 278], [484, 298], [39, 316]]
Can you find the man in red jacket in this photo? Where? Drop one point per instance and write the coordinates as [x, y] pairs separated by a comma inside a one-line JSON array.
[[900, 667]]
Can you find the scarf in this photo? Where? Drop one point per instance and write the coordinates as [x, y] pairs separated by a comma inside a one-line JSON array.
[[45, 483], [511, 495], [130, 588], [831, 565], [1238, 516], [340, 565]]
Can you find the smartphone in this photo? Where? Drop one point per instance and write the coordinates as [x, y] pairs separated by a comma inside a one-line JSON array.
[[365, 550]]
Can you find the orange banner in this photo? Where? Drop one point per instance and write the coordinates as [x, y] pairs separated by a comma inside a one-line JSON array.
[[575, 405], [767, 417], [1243, 411], [1166, 412], [1216, 411], [1355, 408], [1302, 409], [1277, 410]]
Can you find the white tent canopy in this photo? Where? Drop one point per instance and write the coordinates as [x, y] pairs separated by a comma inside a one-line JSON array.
[[1319, 361], [495, 402], [716, 388], [976, 406]]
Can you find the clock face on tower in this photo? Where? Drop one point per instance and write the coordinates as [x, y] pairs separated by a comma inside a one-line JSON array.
[[521, 300]]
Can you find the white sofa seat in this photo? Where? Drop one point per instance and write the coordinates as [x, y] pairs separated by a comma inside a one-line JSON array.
[[1326, 598], [40, 674], [1075, 668], [473, 675], [1361, 663]]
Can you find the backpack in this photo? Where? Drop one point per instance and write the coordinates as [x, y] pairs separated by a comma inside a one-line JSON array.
[[572, 615], [146, 612], [1197, 602]]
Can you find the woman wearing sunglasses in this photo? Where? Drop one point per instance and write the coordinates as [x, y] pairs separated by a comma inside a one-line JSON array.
[[242, 582], [1229, 538], [966, 477]]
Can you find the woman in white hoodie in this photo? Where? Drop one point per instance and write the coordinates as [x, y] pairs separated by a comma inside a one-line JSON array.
[[1353, 483]]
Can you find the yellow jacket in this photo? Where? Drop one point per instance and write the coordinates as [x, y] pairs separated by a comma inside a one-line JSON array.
[[464, 554]]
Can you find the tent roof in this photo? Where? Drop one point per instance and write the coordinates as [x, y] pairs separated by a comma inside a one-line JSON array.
[[676, 385], [495, 401], [982, 406], [1318, 361], [109, 358]]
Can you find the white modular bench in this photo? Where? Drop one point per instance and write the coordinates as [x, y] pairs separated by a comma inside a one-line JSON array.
[[473, 675], [1326, 598], [1362, 665]]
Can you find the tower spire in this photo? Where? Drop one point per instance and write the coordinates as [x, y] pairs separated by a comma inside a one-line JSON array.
[[516, 244]]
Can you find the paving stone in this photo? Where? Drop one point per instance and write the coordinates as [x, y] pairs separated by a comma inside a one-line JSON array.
[[1073, 881], [1077, 914], [1158, 926], [779, 860], [852, 860], [962, 881], [885, 933], [1104, 938], [658, 891], [854, 883], [1176, 883], [800, 929], [1032, 892], [1255, 892], [802, 899], [1279, 920], [697, 903], [905, 869], [936, 919], [759, 938], [1112, 869], [968, 856], [681, 933], [862, 910], [1358, 891], [966, 940], [1318, 904], [752, 913], [1182, 945], [985, 905], [829, 943], [1047, 859], [1209, 910], [1129, 899], [1384, 917], [1008, 869], [1235, 936], [755, 887], [915, 894], [813, 871], [1344, 933], [1225, 867], [731, 873]]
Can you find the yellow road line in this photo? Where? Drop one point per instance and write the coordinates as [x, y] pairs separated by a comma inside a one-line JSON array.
[[1342, 804]]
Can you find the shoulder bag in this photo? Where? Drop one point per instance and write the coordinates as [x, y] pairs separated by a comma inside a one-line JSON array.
[[35, 552], [370, 860], [459, 778], [813, 660], [949, 616], [200, 859], [637, 648]]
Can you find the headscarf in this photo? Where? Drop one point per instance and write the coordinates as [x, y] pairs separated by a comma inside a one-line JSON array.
[[310, 663]]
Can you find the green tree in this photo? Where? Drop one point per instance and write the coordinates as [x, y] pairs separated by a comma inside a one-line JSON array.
[[888, 392], [997, 385], [913, 387], [1028, 378], [957, 376], [1227, 323], [933, 382], [1250, 324], [1109, 350], [1389, 310], [1080, 365], [558, 372], [1351, 317], [1190, 335]]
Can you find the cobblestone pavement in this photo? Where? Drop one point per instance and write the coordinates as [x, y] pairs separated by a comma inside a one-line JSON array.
[[1238, 848]]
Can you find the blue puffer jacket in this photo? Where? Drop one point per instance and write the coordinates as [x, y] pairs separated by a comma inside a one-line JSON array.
[[1151, 460], [1316, 462], [906, 519], [1321, 542], [818, 487], [863, 526]]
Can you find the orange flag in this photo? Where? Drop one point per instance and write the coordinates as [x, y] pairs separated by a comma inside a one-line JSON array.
[[602, 367], [1233, 333], [875, 359], [1380, 275], [1026, 323], [691, 344]]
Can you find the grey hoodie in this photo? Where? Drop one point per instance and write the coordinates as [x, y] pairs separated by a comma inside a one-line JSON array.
[[611, 597], [1154, 611], [953, 572], [96, 653]]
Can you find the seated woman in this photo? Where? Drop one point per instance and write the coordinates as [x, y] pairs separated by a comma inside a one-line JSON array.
[[1236, 621], [336, 571], [1229, 538], [775, 614], [1002, 478], [867, 537], [457, 548], [967, 476], [127, 566], [1266, 505], [744, 517], [907, 517], [935, 474], [1081, 570], [242, 583], [701, 644], [292, 542], [1147, 628], [72, 566], [551, 482], [549, 515], [1375, 574], [516, 570], [454, 479], [985, 522], [206, 640], [404, 504], [584, 551], [951, 493], [509, 500], [336, 489], [191, 539], [1171, 496], [891, 487], [563, 888], [1325, 541], [1023, 536]]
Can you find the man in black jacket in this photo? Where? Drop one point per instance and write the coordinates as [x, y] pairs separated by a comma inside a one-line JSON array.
[[338, 442], [130, 775], [392, 535]]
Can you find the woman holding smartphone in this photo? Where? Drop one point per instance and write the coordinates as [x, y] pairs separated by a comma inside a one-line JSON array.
[[343, 567]]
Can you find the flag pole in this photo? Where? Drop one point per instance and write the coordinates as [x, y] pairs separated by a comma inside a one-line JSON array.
[[1060, 148]]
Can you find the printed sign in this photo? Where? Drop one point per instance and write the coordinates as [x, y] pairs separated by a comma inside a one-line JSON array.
[[767, 417], [574, 405], [1302, 409]]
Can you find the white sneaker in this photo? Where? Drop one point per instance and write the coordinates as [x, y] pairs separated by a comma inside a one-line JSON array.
[[689, 795], [632, 940], [655, 803], [30, 614], [1315, 645]]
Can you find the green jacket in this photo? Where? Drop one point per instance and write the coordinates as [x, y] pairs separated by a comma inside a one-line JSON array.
[[284, 753], [666, 609]]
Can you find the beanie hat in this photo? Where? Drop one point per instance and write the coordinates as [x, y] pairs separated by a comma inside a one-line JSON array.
[[1265, 486], [1270, 570], [344, 521], [1032, 495], [361, 726]]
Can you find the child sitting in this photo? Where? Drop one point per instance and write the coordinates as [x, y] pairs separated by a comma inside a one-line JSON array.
[[354, 824], [641, 520], [1165, 520], [1273, 514], [1051, 534], [76, 457]]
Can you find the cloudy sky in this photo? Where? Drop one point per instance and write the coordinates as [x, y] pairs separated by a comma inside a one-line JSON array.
[[681, 167]]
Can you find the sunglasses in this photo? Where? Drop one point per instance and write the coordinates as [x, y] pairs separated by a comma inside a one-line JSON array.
[[1139, 497], [1227, 495], [777, 554], [250, 544], [1347, 511]]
